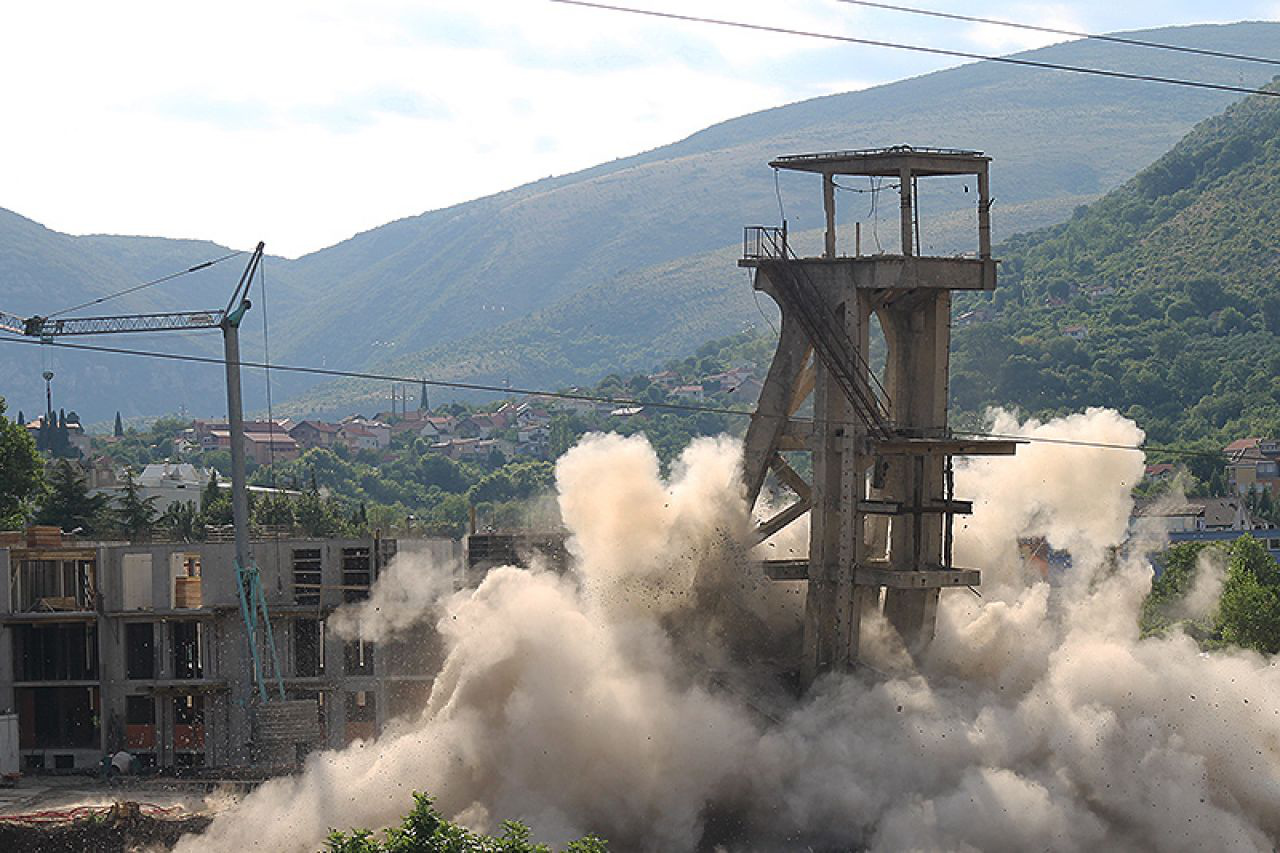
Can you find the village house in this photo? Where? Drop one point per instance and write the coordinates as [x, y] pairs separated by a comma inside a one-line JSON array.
[[479, 425], [169, 483], [718, 383], [216, 435], [268, 447], [666, 378], [312, 434], [357, 437], [438, 427], [529, 415], [1253, 465], [360, 425], [1199, 515]]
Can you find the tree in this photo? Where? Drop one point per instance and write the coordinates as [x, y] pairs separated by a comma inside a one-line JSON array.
[[181, 521], [69, 504], [215, 502], [359, 522], [424, 830], [21, 472], [274, 509], [119, 431], [1249, 613], [1266, 507], [317, 515], [133, 513]]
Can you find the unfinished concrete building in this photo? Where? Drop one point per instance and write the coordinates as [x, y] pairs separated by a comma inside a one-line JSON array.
[[113, 645], [880, 499]]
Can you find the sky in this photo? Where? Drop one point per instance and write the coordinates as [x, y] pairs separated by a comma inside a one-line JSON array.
[[303, 123]]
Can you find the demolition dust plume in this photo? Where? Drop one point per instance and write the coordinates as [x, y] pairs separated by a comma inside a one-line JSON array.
[[616, 697]]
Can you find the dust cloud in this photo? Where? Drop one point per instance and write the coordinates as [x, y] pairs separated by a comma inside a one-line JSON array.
[[1037, 719], [413, 583]]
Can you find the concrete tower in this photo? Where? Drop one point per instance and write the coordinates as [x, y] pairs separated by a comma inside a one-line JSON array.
[[880, 500]]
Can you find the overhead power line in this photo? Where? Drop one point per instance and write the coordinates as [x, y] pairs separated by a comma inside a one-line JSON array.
[[559, 395], [161, 280], [937, 51], [1127, 40]]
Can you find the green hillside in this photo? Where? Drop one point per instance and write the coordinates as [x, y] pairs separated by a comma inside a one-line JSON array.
[[623, 264], [1175, 279]]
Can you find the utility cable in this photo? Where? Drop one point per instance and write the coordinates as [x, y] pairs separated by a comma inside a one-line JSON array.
[[1127, 40], [567, 395], [937, 51], [146, 284]]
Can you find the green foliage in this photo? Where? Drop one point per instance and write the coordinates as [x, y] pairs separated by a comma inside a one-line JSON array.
[[69, 505], [1249, 613], [1160, 609], [512, 482], [21, 472], [318, 516], [137, 448], [423, 830], [133, 514], [274, 509], [181, 521], [215, 503], [1175, 277]]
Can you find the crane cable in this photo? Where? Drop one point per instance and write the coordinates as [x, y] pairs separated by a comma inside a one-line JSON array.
[[146, 284]]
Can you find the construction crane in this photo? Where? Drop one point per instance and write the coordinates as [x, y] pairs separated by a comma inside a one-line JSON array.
[[253, 603]]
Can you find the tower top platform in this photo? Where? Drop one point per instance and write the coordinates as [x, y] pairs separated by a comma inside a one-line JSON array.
[[888, 162]]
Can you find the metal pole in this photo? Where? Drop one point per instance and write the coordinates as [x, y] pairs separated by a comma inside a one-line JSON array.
[[235, 418]]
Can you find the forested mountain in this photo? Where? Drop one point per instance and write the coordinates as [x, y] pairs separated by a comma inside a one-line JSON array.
[[621, 265], [1161, 299]]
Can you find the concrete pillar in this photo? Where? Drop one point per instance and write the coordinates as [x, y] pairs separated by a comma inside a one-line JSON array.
[[908, 241], [833, 604], [917, 334], [829, 207]]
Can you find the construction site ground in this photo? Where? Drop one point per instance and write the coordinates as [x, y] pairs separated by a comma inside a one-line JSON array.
[[52, 814]]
